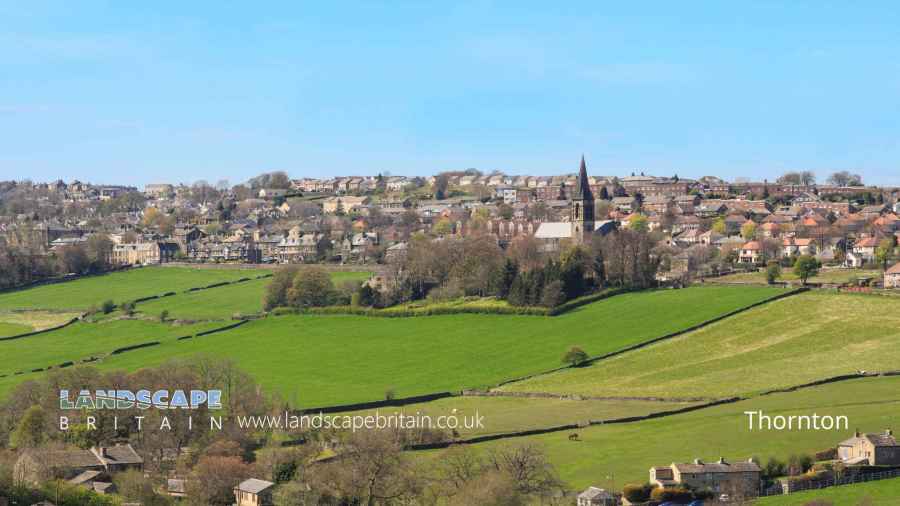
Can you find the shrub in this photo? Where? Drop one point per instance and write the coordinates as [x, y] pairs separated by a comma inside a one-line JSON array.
[[637, 493], [128, 308], [675, 494], [575, 356], [164, 315], [390, 394], [107, 307], [773, 271]]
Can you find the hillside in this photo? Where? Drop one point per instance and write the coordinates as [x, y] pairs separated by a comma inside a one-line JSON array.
[[326, 360], [792, 341]]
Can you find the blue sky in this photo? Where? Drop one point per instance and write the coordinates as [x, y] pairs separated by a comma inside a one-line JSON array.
[[139, 92]]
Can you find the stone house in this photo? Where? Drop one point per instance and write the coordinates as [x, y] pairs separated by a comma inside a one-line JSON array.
[[594, 496], [870, 449], [738, 479], [36, 465], [254, 492]]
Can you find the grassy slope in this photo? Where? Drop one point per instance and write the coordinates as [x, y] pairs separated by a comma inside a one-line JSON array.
[[796, 340], [83, 340], [510, 414], [223, 302], [629, 450], [80, 294], [11, 329], [880, 493], [20, 322], [315, 360]]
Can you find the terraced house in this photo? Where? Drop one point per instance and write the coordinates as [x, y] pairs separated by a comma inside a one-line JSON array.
[[738, 479]]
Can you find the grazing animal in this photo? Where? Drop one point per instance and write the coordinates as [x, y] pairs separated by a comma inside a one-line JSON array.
[[573, 436]]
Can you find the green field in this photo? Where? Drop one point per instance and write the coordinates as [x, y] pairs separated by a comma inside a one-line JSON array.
[[80, 294], [787, 274], [318, 360], [792, 341], [83, 340], [510, 414], [879, 493], [12, 329], [224, 301], [627, 451]]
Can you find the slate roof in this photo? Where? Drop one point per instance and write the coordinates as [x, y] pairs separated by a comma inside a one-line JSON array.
[[254, 486]]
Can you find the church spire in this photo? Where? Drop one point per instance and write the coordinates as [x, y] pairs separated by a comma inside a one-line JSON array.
[[583, 191]]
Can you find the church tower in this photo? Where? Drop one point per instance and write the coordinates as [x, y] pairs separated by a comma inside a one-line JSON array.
[[582, 221]]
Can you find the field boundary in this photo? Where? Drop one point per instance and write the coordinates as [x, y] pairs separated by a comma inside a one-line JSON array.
[[64, 279]]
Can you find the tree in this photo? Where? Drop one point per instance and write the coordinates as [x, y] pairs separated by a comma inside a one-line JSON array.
[[719, 226], [845, 178], [276, 291], [773, 271], [638, 223], [163, 315], [214, 479], [748, 230], [32, 429], [553, 294], [884, 252], [311, 287], [441, 182], [806, 267], [575, 356]]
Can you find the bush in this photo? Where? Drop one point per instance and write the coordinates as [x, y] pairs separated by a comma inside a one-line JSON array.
[[128, 308], [163, 316], [773, 272], [107, 307], [390, 394], [638, 493], [675, 494], [575, 356]]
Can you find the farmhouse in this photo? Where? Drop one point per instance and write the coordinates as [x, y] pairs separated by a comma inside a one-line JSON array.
[[739, 479], [870, 449], [34, 466]]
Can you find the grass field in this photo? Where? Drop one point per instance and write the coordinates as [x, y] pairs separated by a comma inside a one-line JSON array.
[[20, 322], [318, 360], [510, 414], [80, 294], [225, 301], [878, 493], [788, 342], [12, 329], [83, 340], [787, 274], [627, 451]]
